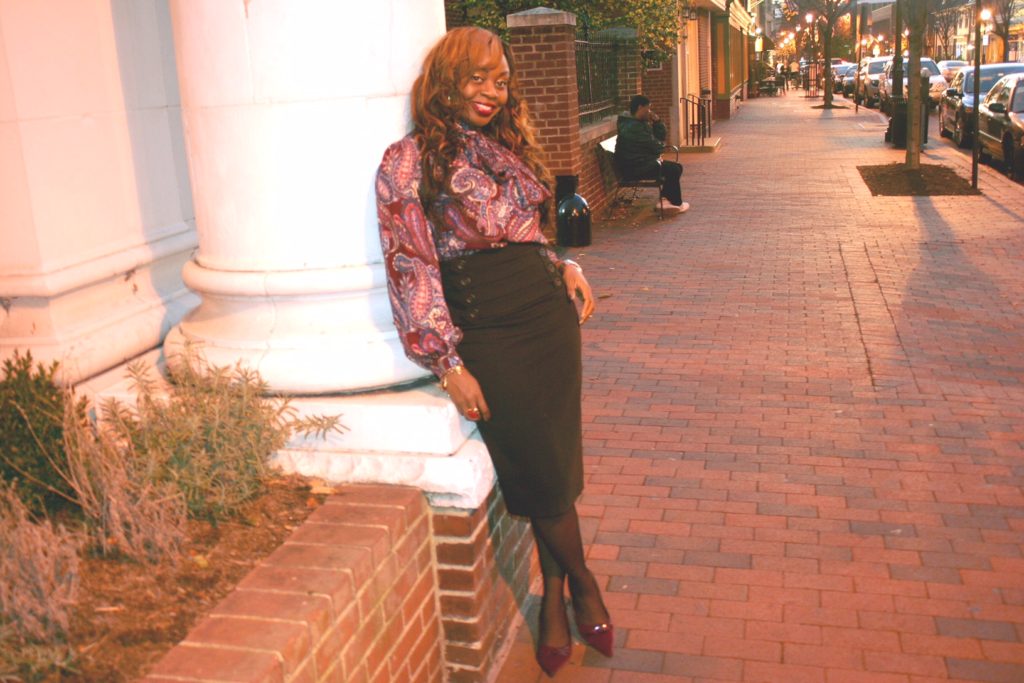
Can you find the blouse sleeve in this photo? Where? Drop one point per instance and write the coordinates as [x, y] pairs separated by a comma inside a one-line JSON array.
[[421, 315]]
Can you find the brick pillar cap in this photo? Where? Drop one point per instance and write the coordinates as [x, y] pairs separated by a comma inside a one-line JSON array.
[[540, 16]]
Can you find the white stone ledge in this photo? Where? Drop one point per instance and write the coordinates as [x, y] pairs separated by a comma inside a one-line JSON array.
[[461, 479], [540, 16]]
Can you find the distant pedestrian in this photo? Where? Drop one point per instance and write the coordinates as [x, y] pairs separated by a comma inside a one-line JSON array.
[[638, 149]]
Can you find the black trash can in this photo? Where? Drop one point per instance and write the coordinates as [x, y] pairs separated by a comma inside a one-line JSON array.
[[897, 132], [572, 219]]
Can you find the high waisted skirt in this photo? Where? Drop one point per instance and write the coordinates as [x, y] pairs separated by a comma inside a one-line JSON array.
[[521, 340]]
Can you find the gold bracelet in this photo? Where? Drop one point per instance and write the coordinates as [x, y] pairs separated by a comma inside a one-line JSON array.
[[454, 370]]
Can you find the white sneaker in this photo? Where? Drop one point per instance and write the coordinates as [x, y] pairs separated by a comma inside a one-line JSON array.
[[682, 208]]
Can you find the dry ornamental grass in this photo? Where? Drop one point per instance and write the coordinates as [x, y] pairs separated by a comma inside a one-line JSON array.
[[170, 502]]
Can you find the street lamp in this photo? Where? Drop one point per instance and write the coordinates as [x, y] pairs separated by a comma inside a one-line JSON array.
[[982, 16]]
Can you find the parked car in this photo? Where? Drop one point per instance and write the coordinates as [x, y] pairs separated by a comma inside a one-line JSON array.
[[869, 75], [948, 68], [849, 83], [957, 104], [1001, 123], [936, 83], [839, 73]]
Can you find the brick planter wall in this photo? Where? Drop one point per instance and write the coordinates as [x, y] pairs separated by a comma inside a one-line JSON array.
[[485, 563], [357, 593]]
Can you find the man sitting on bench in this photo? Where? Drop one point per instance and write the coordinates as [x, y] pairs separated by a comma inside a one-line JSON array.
[[638, 148]]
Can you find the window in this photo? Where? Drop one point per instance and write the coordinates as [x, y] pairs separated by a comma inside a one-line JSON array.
[[995, 93], [1018, 98], [1003, 94]]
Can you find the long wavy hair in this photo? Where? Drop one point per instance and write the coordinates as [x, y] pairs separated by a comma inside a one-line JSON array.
[[437, 104]]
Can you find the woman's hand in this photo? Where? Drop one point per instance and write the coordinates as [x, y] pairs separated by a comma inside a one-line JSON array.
[[577, 287], [465, 393]]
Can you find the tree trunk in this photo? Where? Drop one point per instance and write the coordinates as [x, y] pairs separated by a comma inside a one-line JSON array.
[[917, 16], [827, 51]]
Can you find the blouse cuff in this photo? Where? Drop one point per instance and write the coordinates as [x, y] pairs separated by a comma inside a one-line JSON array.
[[446, 363], [569, 263]]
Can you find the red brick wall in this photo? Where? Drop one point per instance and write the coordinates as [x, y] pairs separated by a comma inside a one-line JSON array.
[[455, 14], [597, 178], [545, 57], [375, 586], [351, 595], [657, 85], [485, 563]]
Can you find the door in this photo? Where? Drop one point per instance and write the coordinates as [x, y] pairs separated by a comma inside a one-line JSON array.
[[990, 123]]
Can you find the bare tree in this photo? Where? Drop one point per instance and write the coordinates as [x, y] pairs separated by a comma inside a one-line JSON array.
[[942, 22], [1002, 15], [827, 17]]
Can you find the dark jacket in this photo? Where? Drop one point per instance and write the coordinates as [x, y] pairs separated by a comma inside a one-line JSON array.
[[639, 146]]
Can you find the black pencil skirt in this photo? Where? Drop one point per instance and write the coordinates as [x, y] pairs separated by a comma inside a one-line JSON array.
[[521, 340]]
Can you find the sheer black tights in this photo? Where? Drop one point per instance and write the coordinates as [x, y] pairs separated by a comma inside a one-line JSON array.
[[560, 548]]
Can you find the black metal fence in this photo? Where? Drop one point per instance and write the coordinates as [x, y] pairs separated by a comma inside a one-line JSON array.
[[697, 120], [597, 75]]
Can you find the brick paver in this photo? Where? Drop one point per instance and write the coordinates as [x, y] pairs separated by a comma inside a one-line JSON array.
[[804, 419]]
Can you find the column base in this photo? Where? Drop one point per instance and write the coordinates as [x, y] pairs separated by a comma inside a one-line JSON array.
[[316, 331]]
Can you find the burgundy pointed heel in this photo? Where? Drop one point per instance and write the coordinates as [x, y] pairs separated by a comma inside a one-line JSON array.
[[601, 637], [551, 659]]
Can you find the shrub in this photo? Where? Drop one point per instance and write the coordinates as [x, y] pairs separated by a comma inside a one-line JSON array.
[[211, 437], [125, 511], [32, 410], [38, 572], [30, 662]]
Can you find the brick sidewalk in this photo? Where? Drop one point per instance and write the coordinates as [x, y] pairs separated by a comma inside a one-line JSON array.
[[804, 420]]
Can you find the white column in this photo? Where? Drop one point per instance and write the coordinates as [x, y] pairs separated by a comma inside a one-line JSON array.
[[95, 208], [288, 107]]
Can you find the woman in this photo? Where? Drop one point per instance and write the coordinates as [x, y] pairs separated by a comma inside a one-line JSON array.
[[481, 300]]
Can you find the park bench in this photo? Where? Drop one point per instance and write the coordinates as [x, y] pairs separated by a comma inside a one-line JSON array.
[[625, 185]]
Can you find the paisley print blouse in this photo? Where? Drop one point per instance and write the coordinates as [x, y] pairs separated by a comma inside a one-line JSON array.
[[493, 199]]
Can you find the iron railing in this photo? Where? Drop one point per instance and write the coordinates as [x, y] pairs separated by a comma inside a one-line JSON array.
[[696, 120], [597, 69]]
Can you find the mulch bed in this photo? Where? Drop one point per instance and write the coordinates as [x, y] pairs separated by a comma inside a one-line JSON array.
[[895, 180], [129, 615]]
